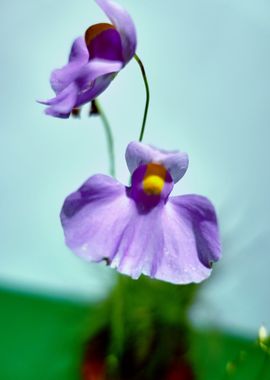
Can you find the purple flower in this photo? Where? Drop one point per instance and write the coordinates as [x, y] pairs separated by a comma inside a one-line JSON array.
[[94, 61], [140, 229]]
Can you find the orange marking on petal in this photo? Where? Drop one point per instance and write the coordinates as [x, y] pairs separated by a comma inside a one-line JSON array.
[[155, 169], [94, 30]]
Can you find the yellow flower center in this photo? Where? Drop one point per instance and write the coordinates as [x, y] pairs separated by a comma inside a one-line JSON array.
[[154, 179]]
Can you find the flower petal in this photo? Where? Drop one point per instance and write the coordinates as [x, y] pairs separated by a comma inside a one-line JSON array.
[[100, 82], [53, 112], [94, 218], [138, 154], [99, 85], [79, 51], [62, 104], [61, 78], [69, 97], [141, 244], [102, 223], [124, 24], [106, 45], [174, 243], [96, 68], [79, 56], [83, 70], [199, 213]]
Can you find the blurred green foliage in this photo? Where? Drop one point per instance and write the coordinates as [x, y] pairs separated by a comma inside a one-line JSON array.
[[149, 325], [45, 339], [218, 355], [42, 338]]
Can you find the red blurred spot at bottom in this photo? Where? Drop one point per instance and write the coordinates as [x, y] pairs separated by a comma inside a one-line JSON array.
[[94, 370], [94, 367], [180, 371]]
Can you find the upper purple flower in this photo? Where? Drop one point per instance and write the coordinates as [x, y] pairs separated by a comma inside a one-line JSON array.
[[94, 61], [140, 229]]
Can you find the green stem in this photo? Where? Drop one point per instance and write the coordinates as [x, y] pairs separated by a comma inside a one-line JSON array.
[[147, 95], [109, 136]]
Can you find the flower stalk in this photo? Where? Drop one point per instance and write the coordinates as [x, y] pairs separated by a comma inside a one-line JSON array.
[[108, 132], [138, 60]]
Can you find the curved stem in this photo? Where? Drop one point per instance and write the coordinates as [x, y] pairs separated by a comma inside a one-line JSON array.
[[147, 95], [109, 136]]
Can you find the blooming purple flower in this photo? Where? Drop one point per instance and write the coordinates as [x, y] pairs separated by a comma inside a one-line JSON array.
[[94, 61], [140, 229]]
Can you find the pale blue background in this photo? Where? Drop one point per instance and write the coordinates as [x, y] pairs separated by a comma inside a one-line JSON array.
[[208, 66]]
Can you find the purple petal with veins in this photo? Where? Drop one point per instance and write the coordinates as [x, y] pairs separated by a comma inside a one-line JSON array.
[[141, 229]]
